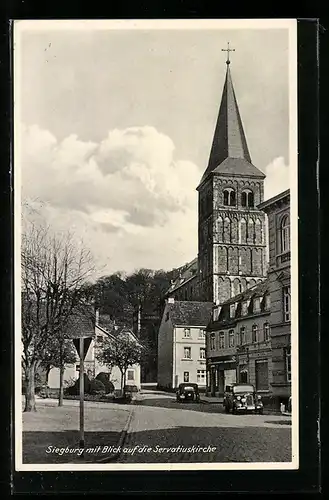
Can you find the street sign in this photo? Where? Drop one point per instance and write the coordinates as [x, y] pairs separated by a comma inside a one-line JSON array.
[[82, 345], [86, 344]]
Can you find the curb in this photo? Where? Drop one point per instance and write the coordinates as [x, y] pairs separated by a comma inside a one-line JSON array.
[[206, 402], [122, 438]]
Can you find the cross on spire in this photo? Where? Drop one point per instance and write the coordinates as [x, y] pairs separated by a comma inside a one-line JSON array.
[[228, 50]]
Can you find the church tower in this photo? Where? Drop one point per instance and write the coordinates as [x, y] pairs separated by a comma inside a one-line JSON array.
[[231, 232]]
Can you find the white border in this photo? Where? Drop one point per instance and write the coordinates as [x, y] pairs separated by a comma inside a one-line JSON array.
[[161, 24]]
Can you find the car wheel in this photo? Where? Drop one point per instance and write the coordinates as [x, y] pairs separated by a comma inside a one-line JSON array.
[[234, 410], [227, 409], [261, 412]]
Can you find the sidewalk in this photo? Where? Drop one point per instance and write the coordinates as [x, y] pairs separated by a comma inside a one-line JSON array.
[[51, 434]]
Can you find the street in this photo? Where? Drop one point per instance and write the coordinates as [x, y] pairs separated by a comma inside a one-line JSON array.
[[153, 429], [162, 430]]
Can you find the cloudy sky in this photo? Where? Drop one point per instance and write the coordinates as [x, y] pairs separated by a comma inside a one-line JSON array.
[[115, 126]]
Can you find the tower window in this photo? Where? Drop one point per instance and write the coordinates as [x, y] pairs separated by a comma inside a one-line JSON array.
[[229, 197], [247, 198]]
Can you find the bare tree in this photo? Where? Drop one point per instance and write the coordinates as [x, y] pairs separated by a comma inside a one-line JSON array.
[[54, 272]]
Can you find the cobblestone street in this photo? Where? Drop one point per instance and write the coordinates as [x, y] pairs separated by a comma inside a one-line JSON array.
[[162, 430]]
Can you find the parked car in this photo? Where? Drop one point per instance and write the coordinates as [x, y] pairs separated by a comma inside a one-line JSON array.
[[188, 392], [242, 398]]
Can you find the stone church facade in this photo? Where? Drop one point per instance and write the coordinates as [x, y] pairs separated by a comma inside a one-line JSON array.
[[232, 245]]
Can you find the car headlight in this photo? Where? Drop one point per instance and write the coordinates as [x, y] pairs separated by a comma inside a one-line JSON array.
[[243, 400], [238, 398], [259, 397]]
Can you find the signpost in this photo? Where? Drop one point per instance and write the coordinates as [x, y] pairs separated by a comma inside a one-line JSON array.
[[82, 392], [82, 344]]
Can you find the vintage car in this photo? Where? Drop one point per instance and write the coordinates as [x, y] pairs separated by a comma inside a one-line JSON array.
[[188, 392], [242, 398]]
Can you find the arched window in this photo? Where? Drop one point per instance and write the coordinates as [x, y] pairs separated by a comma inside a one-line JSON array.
[[231, 338], [254, 333], [285, 234], [222, 340], [250, 200], [247, 198], [266, 332], [229, 197], [243, 231]]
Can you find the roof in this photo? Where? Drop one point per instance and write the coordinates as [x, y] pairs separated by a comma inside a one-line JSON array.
[[229, 140], [239, 167], [190, 313], [255, 291], [271, 201], [189, 271], [116, 330], [81, 324]]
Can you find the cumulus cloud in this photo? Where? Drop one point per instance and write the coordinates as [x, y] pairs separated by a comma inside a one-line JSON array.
[[127, 194], [277, 178], [132, 170]]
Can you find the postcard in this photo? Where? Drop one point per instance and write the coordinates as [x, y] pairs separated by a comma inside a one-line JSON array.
[[156, 272]]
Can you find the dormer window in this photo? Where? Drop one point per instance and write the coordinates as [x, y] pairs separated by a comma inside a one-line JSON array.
[[267, 302], [247, 198], [244, 308], [229, 197], [256, 305], [232, 310], [216, 313]]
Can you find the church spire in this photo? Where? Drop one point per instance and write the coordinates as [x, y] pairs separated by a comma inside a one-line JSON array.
[[229, 152]]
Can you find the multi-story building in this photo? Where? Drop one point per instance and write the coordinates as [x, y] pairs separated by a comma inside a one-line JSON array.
[[278, 212], [238, 345], [181, 343], [186, 285], [90, 327]]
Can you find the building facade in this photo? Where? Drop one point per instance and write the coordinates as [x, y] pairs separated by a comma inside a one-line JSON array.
[[92, 366], [186, 286], [181, 343], [279, 276], [238, 342], [231, 231]]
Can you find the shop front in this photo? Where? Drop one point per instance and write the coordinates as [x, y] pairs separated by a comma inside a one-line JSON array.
[[221, 373]]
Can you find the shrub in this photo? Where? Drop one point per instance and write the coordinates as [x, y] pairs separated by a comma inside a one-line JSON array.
[[131, 388], [96, 387], [73, 390], [105, 379]]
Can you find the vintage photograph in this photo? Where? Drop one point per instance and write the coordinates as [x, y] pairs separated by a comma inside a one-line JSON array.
[[155, 180]]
